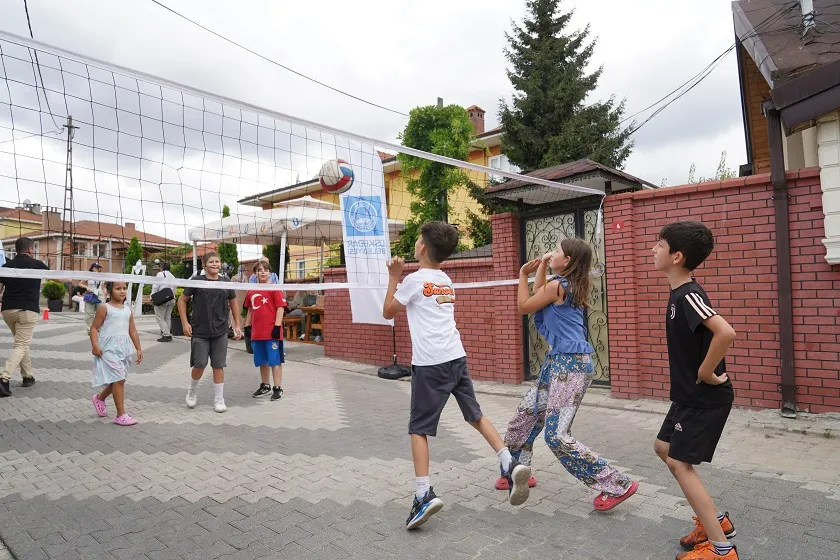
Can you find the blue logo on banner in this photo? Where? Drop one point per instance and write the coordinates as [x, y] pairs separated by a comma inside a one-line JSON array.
[[362, 217]]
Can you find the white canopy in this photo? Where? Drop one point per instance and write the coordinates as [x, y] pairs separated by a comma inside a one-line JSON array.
[[304, 221]]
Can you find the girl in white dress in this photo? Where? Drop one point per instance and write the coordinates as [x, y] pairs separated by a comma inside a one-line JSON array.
[[111, 337]]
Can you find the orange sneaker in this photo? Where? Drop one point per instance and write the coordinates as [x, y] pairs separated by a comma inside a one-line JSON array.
[[699, 536], [706, 551]]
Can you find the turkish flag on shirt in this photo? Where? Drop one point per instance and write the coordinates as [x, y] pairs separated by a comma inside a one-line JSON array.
[[263, 306]]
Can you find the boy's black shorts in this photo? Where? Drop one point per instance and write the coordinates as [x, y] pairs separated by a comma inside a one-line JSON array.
[[430, 389], [693, 432]]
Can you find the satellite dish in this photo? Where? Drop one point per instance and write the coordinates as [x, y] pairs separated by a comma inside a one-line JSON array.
[[27, 201]]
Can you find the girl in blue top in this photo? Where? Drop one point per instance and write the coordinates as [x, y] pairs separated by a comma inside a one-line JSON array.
[[559, 309]]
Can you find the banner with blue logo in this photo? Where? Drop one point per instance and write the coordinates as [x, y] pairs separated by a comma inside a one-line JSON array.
[[367, 248]]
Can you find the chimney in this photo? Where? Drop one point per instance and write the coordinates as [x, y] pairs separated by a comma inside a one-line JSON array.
[[129, 226], [477, 119], [51, 220]]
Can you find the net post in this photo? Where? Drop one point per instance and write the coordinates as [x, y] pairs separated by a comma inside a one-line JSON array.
[[283, 257], [195, 258]]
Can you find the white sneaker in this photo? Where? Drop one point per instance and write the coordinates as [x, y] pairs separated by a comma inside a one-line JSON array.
[[219, 404], [192, 398]]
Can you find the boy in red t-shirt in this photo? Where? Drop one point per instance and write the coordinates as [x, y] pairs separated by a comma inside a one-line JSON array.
[[264, 325]]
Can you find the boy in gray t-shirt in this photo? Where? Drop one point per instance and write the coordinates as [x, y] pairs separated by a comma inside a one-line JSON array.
[[208, 328]]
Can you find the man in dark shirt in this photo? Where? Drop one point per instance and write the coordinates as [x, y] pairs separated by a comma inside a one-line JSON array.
[[698, 339], [21, 305], [208, 328]]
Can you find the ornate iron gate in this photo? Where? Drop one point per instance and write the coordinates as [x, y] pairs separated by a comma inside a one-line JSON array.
[[541, 234]]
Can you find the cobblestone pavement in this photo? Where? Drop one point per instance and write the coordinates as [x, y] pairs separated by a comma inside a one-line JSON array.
[[326, 472]]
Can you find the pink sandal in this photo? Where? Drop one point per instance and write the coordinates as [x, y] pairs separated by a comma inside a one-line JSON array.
[[603, 502], [125, 420], [99, 405]]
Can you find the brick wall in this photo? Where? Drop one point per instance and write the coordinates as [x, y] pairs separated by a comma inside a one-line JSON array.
[[740, 278], [490, 327]]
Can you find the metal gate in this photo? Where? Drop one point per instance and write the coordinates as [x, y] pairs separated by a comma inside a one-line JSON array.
[[541, 234]]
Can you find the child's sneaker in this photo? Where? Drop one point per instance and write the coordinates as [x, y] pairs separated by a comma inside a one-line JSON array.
[[276, 393], [192, 398], [264, 389], [706, 551], [518, 477], [423, 509], [502, 483], [698, 535], [219, 404]]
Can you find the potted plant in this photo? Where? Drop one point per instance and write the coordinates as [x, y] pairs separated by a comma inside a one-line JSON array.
[[54, 294], [175, 327]]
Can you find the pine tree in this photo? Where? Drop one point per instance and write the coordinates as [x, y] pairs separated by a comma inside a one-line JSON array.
[[133, 254], [549, 122], [227, 251]]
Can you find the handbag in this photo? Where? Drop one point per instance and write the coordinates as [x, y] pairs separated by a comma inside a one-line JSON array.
[[163, 296], [91, 297]]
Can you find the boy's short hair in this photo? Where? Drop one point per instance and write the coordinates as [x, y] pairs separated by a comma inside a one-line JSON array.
[[440, 239], [693, 239], [209, 255], [261, 264]]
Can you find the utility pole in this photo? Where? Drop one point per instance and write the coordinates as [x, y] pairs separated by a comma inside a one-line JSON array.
[[67, 214], [444, 202]]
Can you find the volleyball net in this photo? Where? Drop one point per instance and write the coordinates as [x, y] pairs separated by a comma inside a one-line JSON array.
[[107, 165]]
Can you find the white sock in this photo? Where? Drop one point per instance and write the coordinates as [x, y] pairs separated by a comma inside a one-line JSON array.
[[504, 458], [422, 486], [194, 384], [219, 390], [720, 517], [721, 548]]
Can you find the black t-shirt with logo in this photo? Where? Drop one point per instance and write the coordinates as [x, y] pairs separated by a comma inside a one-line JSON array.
[[209, 308], [688, 343]]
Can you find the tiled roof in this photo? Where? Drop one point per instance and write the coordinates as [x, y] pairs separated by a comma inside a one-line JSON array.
[[567, 171], [18, 214], [105, 231]]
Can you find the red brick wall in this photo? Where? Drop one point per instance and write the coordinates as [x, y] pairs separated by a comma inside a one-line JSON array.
[[490, 327], [740, 278]]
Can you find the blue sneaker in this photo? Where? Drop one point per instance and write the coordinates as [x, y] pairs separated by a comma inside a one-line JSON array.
[[423, 509]]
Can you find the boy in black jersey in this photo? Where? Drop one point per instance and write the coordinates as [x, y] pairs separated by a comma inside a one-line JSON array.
[[701, 393]]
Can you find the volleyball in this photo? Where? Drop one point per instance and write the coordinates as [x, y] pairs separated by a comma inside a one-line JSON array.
[[336, 176]]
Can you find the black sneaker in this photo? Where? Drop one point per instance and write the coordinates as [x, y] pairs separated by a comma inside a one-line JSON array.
[[165, 339], [518, 477], [263, 390], [28, 381], [422, 510], [5, 391], [276, 393]]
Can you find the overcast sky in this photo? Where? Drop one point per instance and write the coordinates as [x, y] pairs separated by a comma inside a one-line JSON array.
[[404, 54]]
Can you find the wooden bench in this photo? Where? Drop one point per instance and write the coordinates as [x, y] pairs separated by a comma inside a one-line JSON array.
[[291, 327]]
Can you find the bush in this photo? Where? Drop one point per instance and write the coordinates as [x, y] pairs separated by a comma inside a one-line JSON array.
[[53, 290], [178, 293], [178, 270]]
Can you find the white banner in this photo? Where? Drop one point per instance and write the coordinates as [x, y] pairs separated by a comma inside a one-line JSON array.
[[364, 217]]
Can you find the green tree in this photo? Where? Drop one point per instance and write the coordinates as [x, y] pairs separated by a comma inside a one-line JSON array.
[[444, 131], [479, 225], [227, 251], [548, 122], [133, 254], [723, 172]]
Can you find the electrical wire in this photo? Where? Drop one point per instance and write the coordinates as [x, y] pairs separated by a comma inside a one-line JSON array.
[[283, 66]]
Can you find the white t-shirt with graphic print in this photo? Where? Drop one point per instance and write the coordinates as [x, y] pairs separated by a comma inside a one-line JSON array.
[[429, 299]]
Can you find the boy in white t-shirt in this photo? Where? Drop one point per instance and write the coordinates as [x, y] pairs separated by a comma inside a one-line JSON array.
[[439, 364]]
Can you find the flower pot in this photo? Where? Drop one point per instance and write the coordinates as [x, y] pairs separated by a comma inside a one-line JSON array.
[[175, 328], [55, 305]]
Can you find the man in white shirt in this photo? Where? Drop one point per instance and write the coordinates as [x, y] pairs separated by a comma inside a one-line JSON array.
[[163, 312]]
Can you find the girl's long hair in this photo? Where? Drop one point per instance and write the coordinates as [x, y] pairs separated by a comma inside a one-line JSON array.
[[578, 270]]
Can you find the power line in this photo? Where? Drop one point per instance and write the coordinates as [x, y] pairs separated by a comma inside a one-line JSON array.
[[283, 66], [37, 64]]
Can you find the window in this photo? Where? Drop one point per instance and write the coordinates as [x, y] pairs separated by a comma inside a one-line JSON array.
[[301, 269], [99, 250], [37, 249], [502, 163], [80, 249]]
